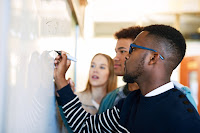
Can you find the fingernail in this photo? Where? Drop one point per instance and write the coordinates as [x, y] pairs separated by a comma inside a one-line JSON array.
[[70, 81], [64, 52]]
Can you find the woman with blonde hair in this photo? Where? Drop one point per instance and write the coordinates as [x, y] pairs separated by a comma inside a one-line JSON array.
[[101, 81]]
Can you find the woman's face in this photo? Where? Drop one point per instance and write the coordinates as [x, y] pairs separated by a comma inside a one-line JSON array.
[[99, 71]]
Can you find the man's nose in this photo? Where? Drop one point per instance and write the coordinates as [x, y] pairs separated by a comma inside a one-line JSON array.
[[116, 57]]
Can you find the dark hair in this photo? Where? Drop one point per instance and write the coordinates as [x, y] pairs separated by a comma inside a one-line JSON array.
[[130, 32], [172, 41]]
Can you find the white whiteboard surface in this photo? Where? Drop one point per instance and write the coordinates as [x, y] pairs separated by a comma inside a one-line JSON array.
[[30, 30]]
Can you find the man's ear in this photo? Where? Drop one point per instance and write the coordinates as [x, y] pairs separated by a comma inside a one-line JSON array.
[[154, 58]]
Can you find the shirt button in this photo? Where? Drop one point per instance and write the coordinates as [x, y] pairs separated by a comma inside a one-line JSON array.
[[182, 96], [185, 102], [190, 110]]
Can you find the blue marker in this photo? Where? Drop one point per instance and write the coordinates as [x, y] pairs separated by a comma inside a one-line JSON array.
[[69, 57]]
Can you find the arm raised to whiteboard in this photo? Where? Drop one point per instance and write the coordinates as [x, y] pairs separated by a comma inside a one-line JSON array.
[[61, 66], [78, 119]]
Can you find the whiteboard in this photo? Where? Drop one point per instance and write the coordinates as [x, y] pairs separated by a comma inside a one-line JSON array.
[[34, 28]]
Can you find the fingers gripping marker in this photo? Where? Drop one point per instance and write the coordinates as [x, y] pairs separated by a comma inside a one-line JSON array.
[[69, 57]]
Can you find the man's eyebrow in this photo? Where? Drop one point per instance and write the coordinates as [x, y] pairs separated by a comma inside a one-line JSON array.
[[122, 48]]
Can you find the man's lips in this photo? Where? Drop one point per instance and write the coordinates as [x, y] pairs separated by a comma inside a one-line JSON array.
[[117, 65]]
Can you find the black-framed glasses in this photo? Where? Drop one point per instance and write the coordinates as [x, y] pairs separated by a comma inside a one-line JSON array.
[[132, 46]]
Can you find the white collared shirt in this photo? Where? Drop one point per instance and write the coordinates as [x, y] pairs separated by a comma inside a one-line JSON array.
[[160, 89]]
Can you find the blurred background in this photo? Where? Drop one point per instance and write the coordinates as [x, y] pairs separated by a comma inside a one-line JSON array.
[[31, 29]]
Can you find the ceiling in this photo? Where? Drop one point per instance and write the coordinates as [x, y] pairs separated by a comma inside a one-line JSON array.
[[109, 16]]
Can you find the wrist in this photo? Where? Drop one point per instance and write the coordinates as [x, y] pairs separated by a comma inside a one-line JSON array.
[[60, 83]]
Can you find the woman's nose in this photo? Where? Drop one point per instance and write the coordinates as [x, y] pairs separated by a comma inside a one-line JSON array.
[[95, 70]]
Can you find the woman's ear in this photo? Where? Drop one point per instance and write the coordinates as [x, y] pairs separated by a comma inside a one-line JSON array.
[[154, 58]]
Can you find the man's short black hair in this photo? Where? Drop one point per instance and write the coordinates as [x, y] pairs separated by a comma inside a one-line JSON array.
[[130, 32], [172, 41]]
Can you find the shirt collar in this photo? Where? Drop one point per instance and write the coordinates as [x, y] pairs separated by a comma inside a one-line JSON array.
[[160, 89]]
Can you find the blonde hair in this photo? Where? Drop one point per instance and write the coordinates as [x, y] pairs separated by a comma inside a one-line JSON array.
[[112, 78]]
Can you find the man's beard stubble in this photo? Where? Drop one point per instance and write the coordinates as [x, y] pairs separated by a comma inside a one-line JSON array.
[[133, 76]]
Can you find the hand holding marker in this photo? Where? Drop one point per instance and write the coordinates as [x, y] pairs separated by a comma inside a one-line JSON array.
[[69, 57]]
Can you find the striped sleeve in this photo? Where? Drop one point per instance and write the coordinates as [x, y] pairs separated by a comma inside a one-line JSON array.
[[81, 121]]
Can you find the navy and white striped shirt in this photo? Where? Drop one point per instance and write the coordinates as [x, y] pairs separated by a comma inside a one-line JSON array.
[[81, 121]]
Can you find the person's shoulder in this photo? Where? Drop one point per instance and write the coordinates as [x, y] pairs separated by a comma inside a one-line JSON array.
[[132, 97], [181, 105], [186, 91], [181, 87], [82, 93], [84, 96], [131, 100], [114, 92], [108, 100], [110, 96]]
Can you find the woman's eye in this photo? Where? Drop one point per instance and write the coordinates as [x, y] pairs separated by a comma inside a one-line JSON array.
[[92, 66], [102, 67]]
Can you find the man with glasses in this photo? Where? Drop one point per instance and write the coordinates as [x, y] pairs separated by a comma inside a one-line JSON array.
[[158, 106], [124, 38]]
